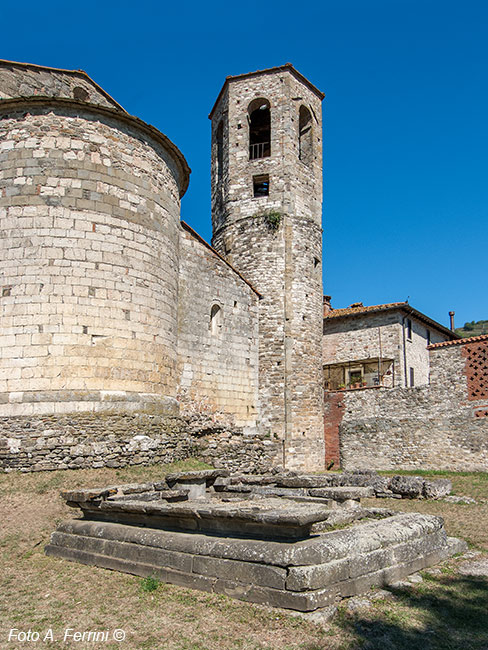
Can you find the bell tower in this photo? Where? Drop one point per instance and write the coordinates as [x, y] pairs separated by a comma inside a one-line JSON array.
[[267, 222]]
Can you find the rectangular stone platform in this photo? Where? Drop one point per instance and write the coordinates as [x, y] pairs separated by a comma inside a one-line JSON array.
[[268, 549], [303, 575]]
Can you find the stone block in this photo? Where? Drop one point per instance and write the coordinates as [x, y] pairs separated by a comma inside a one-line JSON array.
[[244, 572], [435, 489], [300, 601], [302, 578], [344, 493], [408, 486], [360, 565]]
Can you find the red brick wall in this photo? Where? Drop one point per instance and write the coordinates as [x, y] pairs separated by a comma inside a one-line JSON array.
[[333, 412], [476, 371]]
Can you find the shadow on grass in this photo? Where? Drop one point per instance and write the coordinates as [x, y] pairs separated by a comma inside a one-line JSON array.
[[442, 613]]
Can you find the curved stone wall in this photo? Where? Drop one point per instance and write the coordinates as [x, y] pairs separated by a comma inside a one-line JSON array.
[[89, 215]]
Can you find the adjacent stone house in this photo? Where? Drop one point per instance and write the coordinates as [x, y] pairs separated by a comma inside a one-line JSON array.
[[378, 345]]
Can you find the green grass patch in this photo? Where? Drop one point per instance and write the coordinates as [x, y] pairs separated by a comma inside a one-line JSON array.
[[149, 584]]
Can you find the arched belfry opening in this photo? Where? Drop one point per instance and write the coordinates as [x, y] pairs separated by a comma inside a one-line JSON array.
[[259, 116], [305, 136]]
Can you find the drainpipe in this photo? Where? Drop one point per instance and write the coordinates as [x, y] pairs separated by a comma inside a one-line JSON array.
[[451, 316]]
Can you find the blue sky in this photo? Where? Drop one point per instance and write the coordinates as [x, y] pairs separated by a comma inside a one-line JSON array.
[[405, 119]]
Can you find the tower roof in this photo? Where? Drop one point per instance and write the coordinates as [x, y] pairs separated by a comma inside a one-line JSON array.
[[281, 68]]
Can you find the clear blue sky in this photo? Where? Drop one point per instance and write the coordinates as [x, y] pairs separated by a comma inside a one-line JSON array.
[[405, 119]]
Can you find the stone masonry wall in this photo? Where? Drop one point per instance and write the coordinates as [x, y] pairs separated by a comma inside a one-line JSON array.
[[284, 262], [441, 426], [117, 439], [218, 361], [25, 80], [90, 309], [89, 213], [358, 338]]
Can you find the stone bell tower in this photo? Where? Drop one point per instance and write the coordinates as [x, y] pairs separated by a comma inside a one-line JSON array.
[[267, 222]]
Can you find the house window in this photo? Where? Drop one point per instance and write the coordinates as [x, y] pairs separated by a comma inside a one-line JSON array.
[[215, 320], [259, 116], [305, 136], [428, 336], [354, 376], [409, 329], [412, 378], [260, 185]]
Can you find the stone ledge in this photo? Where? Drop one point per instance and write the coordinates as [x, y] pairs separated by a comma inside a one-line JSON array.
[[26, 403], [299, 588]]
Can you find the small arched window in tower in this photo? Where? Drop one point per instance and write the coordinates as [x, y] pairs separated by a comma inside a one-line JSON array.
[[305, 136], [215, 320], [219, 136], [259, 116]]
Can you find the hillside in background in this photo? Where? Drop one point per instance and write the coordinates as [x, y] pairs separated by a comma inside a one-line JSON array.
[[473, 328]]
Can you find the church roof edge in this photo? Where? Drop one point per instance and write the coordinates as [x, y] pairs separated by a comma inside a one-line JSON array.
[[79, 73]]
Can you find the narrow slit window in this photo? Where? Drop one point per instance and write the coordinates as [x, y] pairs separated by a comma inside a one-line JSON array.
[[412, 377], [215, 320], [259, 116], [260, 185]]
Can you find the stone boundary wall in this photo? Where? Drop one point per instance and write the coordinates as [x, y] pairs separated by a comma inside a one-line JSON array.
[[117, 438], [440, 426]]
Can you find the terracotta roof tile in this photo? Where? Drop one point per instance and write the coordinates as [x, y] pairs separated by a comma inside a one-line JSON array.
[[472, 339], [347, 311], [401, 306]]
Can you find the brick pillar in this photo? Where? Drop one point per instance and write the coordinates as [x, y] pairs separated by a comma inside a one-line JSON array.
[[333, 412]]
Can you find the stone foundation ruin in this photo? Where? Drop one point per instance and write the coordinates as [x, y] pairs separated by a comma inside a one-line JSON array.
[[283, 540]]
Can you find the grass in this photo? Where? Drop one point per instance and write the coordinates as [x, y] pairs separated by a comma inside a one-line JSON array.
[[150, 583], [446, 611]]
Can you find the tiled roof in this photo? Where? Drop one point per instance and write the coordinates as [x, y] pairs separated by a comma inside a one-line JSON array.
[[472, 339], [401, 306], [347, 311]]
